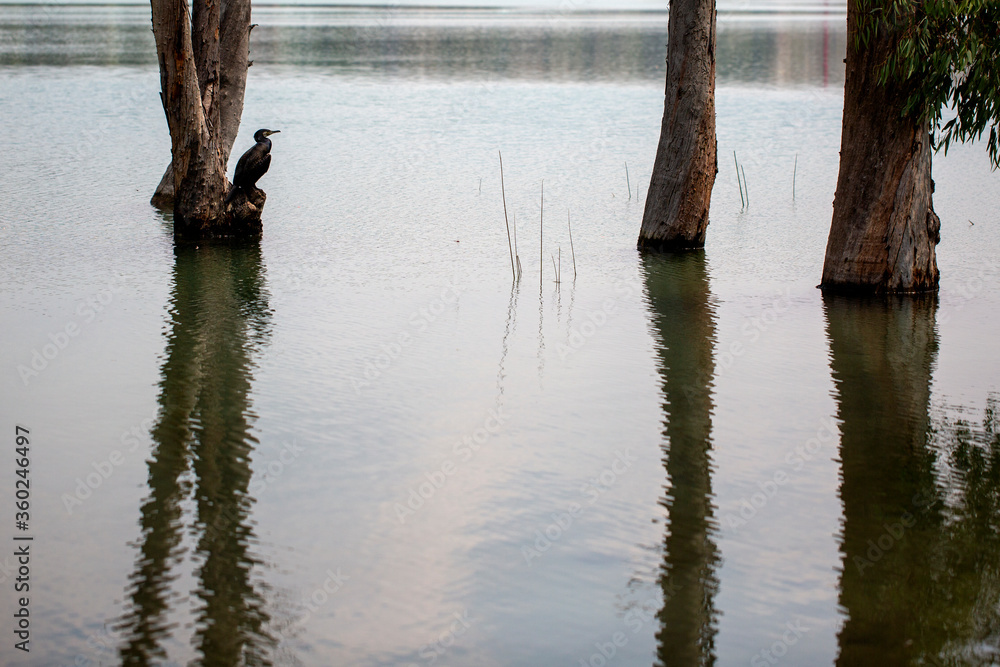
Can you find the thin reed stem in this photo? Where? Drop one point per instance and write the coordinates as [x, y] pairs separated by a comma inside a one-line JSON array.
[[516, 256], [795, 170], [743, 202], [503, 193], [569, 224]]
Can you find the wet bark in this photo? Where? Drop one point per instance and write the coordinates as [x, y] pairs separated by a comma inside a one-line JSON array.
[[203, 58], [680, 189], [240, 221], [884, 229]]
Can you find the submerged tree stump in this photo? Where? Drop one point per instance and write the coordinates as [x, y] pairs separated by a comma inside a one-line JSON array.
[[884, 229], [203, 53], [240, 221], [680, 188]]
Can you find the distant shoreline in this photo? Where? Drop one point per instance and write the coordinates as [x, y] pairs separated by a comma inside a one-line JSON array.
[[736, 8]]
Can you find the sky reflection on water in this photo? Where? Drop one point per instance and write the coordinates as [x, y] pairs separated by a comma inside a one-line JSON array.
[[686, 458]]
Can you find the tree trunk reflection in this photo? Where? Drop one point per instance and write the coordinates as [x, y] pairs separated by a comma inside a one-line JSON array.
[[684, 325], [202, 446], [919, 582]]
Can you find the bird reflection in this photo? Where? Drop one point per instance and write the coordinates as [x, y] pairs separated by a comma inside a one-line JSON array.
[[200, 464], [919, 582], [683, 319]]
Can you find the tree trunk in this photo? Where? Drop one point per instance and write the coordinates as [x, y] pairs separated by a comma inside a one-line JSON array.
[[884, 228], [203, 67], [680, 189], [234, 56], [163, 197], [234, 52]]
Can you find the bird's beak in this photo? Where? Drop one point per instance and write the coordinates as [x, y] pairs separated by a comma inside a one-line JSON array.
[[273, 132]]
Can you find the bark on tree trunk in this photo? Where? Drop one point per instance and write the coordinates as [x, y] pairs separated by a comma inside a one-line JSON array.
[[884, 228], [234, 60], [680, 189], [234, 52], [203, 67], [163, 197]]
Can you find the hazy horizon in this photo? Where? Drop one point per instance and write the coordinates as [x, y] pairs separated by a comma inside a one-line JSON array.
[[549, 5]]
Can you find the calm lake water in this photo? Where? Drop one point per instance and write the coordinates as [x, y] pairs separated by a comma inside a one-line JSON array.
[[359, 444]]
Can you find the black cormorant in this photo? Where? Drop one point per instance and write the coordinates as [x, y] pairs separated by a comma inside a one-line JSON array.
[[253, 164]]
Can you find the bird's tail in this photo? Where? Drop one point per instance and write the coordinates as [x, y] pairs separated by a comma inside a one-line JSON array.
[[232, 193]]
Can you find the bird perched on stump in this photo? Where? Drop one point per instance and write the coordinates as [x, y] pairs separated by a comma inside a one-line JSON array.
[[253, 164]]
